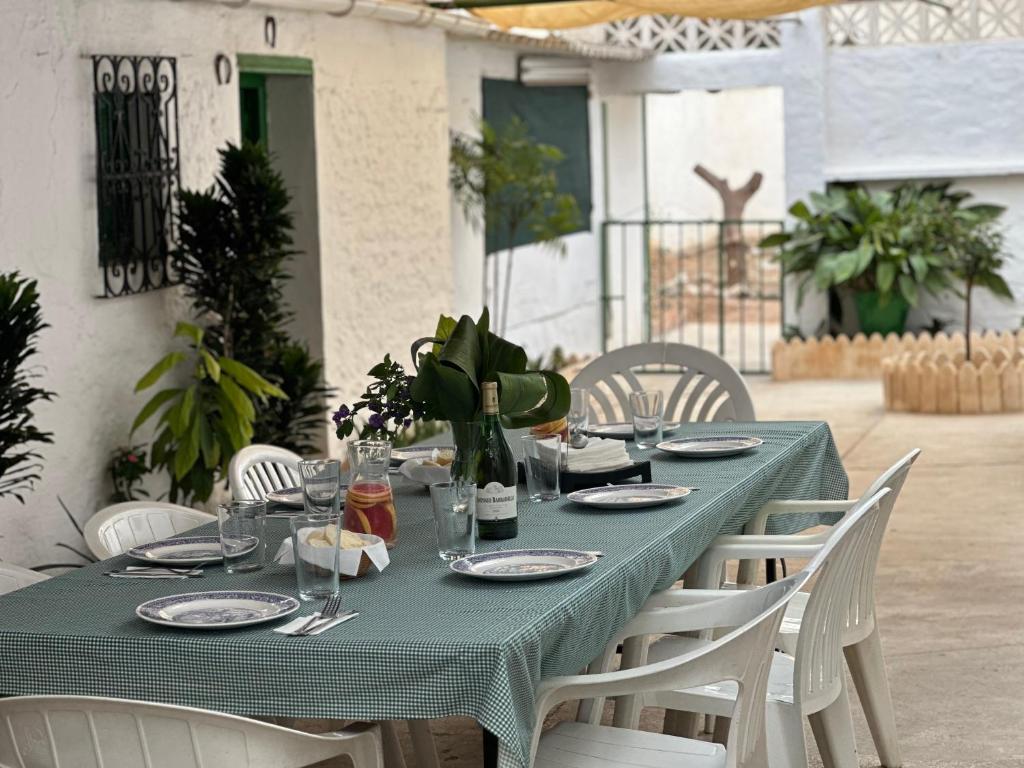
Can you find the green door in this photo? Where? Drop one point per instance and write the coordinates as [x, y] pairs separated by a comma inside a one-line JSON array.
[[252, 98]]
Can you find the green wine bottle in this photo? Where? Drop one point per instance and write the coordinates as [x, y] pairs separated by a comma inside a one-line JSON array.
[[496, 514]]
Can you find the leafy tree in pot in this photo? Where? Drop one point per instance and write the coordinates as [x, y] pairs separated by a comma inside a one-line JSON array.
[[234, 246], [506, 181], [20, 323]]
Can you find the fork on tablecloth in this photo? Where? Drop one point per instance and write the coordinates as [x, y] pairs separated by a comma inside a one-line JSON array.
[[329, 612]]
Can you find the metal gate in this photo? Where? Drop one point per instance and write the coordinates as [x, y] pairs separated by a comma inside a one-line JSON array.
[[702, 282]]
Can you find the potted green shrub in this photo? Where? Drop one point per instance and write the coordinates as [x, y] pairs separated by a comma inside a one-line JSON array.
[[872, 248]]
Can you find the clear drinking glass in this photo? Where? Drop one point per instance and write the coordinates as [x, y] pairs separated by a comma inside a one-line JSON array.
[[321, 486], [315, 545], [579, 413], [543, 458], [241, 535], [454, 518], [647, 418]]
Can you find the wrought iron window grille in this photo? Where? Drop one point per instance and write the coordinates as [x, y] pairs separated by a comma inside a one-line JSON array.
[[135, 100]]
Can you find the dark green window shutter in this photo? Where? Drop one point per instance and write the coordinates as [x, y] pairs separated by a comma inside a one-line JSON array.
[[555, 115]]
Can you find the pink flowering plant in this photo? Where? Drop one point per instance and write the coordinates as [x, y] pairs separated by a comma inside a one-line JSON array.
[[127, 468]]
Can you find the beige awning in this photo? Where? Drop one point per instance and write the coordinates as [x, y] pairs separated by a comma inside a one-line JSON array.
[[567, 15]]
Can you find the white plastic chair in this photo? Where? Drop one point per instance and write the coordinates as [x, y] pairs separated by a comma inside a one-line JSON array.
[[14, 577], [256, 470], [85, 732], [811, 683], [117, 528], [862, 644], [743, 656], [708, 389]]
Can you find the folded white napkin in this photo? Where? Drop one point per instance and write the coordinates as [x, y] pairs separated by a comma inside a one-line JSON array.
[[599, 454], [375, 549], [293, 626], [418, 472]]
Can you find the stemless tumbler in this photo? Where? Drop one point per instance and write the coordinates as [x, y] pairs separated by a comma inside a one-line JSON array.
[[647, 415], [454, 505], [579, 415], [543, 460], [315, 541], [321, 486], [241, 535]]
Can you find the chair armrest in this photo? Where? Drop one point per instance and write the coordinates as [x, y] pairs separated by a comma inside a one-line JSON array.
[[726, 548], [759, 523]]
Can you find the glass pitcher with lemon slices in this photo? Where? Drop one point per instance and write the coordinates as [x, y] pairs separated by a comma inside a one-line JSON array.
[[369, 503]]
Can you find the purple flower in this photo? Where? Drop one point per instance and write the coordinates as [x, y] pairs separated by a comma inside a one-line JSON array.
[[407, 423], [376, 421], [341, 413]]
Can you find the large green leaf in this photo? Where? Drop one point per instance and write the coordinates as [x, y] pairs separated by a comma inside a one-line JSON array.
[[885, 273], [166, 363], [154, 404], [531, 398], [249, 379], [240, 402], [446, 391], [189, 331], [188, 450], [462, 350], [996, 284], [908, 288]]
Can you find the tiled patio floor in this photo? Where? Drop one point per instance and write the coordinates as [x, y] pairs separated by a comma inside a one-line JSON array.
[[950, 586]]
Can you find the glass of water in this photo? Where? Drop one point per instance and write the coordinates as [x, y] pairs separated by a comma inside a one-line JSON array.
[[647, 418], [579, 414], [543, 458], [315, 542], [241, 535], [321, 486], [454, 505]]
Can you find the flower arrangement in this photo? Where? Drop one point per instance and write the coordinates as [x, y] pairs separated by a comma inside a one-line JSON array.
[[463, 354], [387, 400]]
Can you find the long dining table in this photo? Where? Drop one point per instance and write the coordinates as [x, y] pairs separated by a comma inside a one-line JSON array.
[[428, 643]]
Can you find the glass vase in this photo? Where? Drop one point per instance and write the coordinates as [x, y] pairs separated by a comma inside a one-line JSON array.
[[369, 503], [466, 435]]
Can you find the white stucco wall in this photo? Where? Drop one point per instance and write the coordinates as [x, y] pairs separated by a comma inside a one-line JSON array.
[[381, 116], [865, 113], [554, 298]]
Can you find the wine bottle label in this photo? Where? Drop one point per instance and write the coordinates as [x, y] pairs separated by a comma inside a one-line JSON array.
[[496, 502]]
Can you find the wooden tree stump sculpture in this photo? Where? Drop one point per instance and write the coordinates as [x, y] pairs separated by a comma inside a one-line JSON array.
[[733, 203]]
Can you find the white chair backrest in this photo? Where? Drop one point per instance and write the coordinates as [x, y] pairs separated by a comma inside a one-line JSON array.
[[89, 732], [256, 470], [708, 388], [119, 527], [744, 654], [818, 671], [14, 577], [860, 619]]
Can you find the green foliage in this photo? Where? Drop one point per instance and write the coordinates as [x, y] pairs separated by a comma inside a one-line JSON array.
[[203, 423], [464, 355], [867, 241], [20, 323], [507, 182], [388, 401], [235, 245], [127, 468]]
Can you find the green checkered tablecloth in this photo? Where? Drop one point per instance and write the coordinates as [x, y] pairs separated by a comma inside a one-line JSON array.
[[428, 643]]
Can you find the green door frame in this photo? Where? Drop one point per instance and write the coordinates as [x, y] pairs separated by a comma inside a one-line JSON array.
[[252, 89]]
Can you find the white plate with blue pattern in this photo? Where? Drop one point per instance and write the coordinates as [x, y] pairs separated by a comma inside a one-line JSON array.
[[629, 495], [523, 564], [710, 447], [217, 610], [186, 550]]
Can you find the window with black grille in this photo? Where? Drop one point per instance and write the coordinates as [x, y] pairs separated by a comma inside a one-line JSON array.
[[137, 170]]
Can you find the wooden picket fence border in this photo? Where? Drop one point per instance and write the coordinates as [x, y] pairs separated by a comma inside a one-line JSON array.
[[861, 357], [924, 382]]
